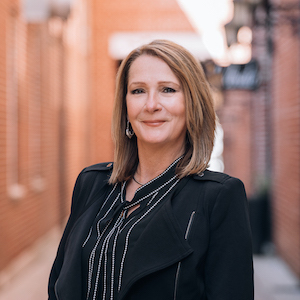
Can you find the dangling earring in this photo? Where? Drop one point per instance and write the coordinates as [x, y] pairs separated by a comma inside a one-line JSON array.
[[129, 133]]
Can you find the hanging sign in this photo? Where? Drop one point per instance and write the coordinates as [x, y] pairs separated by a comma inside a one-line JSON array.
[[241, 77]]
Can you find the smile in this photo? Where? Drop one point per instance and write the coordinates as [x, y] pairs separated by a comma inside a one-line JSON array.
[[154, 123]]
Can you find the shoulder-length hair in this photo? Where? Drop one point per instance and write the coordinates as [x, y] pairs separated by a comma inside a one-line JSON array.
[[200, 114]]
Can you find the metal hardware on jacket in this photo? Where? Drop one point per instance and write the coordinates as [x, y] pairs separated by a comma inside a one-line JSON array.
[[200, 239]]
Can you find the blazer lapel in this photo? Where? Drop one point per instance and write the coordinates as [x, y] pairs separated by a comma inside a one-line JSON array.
[[161, 244]]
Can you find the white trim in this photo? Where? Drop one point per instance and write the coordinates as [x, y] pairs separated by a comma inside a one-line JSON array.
[[133, 225]]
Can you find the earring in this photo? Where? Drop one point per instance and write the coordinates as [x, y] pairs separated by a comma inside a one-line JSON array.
[[129, 133]]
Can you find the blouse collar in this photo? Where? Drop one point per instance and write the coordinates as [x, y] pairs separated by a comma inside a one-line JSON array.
[[153, 186]]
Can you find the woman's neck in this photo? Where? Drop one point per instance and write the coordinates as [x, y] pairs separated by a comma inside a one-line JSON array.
[[152, 162]]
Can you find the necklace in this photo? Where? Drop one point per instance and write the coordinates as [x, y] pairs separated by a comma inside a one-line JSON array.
[[137, 181]]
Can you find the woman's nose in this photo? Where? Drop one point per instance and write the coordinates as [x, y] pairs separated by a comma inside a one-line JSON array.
[[152, 102]]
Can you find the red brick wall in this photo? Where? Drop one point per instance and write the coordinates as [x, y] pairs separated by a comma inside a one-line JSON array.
[[261, 109], [286, 146], [49, 70], [272, 130], [3, 13], [235, 117]]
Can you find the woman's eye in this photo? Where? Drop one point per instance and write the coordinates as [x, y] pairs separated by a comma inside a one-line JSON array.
[[168, 90], [137, 91]]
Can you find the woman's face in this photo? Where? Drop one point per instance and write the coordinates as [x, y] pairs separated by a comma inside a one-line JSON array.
[[156, 104]]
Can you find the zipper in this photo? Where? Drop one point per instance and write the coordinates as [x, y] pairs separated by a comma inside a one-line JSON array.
[[187, 232], [176, 279], [55, 290], [189, 225]]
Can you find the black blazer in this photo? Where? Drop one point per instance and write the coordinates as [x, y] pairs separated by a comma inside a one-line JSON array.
[[197, 246]]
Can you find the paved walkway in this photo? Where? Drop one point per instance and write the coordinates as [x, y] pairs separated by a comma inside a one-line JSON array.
[[274, 280], [27, 278]]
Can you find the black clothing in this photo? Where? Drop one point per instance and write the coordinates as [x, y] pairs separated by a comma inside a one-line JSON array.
[[196, 245], [113, 234]]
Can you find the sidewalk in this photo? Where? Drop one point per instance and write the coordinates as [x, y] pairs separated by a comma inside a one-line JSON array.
[[27, 278], [274, 280]]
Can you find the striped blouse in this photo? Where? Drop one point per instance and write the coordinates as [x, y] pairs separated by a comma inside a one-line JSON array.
[[113, 234]]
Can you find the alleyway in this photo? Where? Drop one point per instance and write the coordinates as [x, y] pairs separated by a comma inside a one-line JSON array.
[[27, 278], [273, 279]]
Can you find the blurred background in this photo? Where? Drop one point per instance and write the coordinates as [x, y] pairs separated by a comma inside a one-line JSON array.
[[58, 62]]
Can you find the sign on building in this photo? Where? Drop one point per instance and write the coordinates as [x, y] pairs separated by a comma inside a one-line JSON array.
[[241, 77]]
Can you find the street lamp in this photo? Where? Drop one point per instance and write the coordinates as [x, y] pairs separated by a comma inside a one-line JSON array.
[[231, 33], [242, 13], [243, 16]]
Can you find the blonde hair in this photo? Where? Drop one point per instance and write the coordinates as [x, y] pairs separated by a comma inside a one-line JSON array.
[[200, 114]]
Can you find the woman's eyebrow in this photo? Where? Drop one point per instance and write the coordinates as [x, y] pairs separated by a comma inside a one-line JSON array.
[[136, 83], [169, 82]]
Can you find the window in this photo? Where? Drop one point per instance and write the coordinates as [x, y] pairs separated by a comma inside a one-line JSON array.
[[15, 189]]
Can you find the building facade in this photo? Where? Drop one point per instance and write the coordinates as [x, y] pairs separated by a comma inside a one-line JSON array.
[[262, 129], [44, 104], [285, 132]]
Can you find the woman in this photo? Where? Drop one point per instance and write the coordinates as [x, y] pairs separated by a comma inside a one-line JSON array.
[[155, 224]]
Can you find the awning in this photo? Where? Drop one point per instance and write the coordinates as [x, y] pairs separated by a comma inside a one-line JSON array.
[[122, 43]]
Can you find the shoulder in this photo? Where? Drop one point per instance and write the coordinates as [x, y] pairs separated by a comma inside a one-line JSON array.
[[221, 188], [94, 174], [101, 167], [216, 177]]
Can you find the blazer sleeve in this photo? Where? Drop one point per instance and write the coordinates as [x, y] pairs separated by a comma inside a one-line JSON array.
[[229, 267], [76, 208]]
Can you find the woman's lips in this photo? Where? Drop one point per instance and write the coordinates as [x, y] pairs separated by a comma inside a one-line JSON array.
[[154, 123]]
